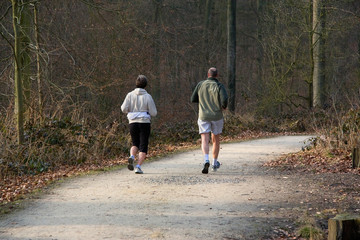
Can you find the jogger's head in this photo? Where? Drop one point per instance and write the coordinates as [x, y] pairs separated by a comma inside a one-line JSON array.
[[141, 81], [212, 72]]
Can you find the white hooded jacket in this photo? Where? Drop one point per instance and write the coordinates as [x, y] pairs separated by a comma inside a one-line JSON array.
[[139, 106]]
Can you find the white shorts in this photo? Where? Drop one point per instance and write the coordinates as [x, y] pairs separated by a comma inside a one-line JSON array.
[[211, 126]]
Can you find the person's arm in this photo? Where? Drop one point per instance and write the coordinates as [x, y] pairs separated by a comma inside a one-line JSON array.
[[126, 104], [195, 95], [152, 107], [223, 97]]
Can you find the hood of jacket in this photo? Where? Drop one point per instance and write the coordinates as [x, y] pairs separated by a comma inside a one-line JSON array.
[[139, 91]]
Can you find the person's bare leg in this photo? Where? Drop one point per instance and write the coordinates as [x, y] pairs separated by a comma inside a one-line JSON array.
[[133, 151], [216, 145], [142, 157], [215, 151], [205, 137], [205, 143]]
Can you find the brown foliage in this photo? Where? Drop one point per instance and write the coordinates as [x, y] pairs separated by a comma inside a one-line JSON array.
[[317, 160]]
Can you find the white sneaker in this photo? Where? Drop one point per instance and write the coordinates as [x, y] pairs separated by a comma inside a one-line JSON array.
[[138, 171], [215, 167]]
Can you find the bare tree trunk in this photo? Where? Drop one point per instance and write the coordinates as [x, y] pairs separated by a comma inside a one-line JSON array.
[[24, 34], [310, 81], [260, 8], [344, 227], [206, 33], [19, 101], [231, 52], [156, 81], [38, 70], [318, 43]]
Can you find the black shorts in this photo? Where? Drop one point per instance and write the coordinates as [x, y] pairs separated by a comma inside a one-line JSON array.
[[140, 133]]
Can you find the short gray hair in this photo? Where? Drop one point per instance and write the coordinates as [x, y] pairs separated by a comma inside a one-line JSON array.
[[213, 72]]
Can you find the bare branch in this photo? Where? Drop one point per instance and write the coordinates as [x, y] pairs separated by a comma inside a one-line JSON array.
[[343, 10]]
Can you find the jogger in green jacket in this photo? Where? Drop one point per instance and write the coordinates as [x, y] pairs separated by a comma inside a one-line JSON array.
[[213, 99]]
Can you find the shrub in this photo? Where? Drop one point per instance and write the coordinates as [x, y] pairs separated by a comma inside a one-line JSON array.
[[59, 142]]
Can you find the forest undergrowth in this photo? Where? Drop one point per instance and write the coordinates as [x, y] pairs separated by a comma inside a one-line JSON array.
[[61, 148], [328, 162]]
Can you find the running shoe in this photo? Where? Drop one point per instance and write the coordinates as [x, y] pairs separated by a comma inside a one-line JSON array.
[[206, 168], [131, 164], [138, 171], [215, 167]]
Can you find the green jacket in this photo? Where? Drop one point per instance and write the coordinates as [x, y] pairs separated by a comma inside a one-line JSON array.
[[212, 98]]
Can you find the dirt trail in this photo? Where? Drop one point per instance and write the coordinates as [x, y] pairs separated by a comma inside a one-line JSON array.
[[171, 200]]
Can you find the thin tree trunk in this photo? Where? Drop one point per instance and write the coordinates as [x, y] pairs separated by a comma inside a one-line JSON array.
[[38, 69], [24, 35], [206, 33], [260, 9], [231, 52], [19, 102], [156, 81], [318, 42], [310, 86]]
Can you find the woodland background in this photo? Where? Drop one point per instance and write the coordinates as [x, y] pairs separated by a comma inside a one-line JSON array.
[[81, 57]]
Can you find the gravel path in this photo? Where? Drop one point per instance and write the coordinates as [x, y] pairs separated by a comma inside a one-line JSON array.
[[171, 200]]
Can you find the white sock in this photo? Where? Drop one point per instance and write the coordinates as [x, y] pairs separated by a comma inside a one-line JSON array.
[[214, 161], [206, 157]]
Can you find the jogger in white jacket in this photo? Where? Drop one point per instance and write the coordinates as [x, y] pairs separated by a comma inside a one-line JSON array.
[[140, 107]]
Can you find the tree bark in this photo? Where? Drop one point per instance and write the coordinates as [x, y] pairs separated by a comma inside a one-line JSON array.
[[260, 8], [206, 32], [231, 52], [344, 228], [355, 158], [310, 81], [19, 101], [318, 43], [24, 35], [156, 81], [38, 69]]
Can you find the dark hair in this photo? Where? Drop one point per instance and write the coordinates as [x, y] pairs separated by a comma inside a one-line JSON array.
[[213, 72], [141, 81]]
